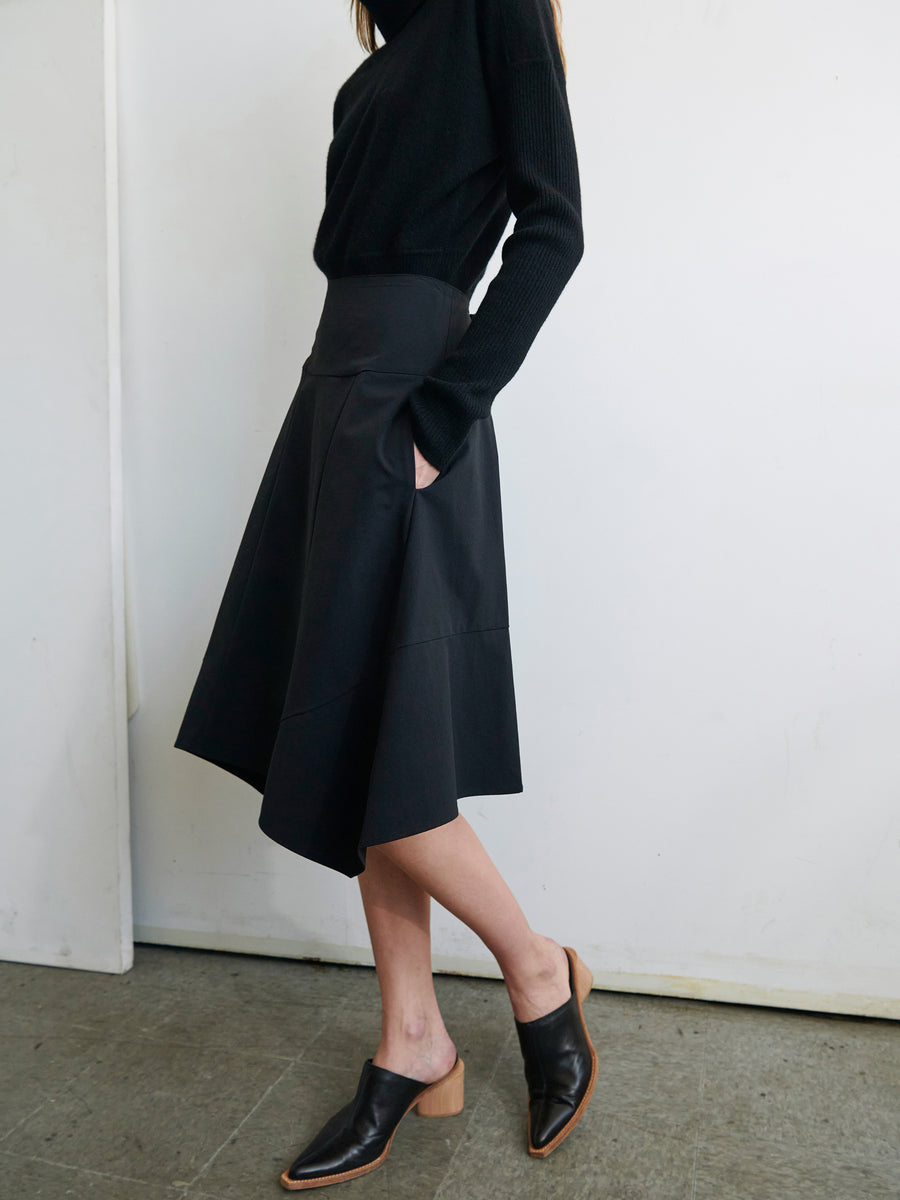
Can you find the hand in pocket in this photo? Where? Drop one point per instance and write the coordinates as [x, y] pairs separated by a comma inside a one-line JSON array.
[[425, 472]]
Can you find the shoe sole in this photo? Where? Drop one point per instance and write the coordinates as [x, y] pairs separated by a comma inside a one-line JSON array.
[[451, 1083], [583, 981]]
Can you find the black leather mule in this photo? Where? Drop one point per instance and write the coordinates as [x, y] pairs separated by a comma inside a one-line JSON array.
[[560, 1065], [358, 1137]]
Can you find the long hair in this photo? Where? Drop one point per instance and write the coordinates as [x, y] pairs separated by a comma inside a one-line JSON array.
[[365, 27]]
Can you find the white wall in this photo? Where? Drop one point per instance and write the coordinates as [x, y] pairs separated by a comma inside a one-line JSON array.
[[65, 882], [701, 529]]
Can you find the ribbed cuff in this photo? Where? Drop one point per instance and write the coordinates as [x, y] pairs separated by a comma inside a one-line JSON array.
[[439, 429]]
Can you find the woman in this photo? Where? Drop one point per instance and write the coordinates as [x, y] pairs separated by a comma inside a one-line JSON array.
[[359, 673]]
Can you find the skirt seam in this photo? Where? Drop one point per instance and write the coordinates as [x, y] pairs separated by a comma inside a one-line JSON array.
[[302, 712], [361, 371], [314, 514], [218, 681], [446, 636]]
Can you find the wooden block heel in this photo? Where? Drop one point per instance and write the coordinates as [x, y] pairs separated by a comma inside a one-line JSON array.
[[584, 980], [445, 1097]]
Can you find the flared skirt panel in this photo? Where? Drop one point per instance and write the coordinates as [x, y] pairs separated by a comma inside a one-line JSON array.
[[359, 671]]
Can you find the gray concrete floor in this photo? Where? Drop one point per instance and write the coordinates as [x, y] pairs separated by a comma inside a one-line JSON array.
[[201, 1074]]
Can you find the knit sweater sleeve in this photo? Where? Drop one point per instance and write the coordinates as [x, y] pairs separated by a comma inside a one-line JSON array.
[[526, 83]]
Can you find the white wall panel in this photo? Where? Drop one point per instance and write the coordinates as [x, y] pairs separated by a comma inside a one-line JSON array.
[[65, 881], [700, 489]]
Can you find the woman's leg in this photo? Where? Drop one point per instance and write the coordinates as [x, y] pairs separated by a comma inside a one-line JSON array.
[[450, 864], [414, 1041]]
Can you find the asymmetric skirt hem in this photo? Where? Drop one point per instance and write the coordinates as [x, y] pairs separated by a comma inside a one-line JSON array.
[[424, 690], [359, 671]]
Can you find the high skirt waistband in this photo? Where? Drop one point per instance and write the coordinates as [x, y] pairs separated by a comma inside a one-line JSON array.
[[387, 322]]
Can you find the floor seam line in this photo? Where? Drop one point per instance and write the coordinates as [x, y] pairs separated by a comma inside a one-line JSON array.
[[55, 1162], [21, 1122], [63, 1087], [240, 1125], [696, 1156], [487, 1084]]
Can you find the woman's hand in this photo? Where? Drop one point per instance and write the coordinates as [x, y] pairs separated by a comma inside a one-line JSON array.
[[425, 472]]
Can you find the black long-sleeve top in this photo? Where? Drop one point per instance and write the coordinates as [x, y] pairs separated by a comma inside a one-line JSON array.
[[458, 120]]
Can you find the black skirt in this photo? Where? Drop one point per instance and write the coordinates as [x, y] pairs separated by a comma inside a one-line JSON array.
[[358, 673]]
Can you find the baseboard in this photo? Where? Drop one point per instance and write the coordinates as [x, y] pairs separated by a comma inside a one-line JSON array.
[[720, 991]]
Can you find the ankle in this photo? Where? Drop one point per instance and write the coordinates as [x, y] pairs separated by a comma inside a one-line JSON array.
[[419, 1049], [409, 1030], [551, 960], [538, 981], [535, 966]]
